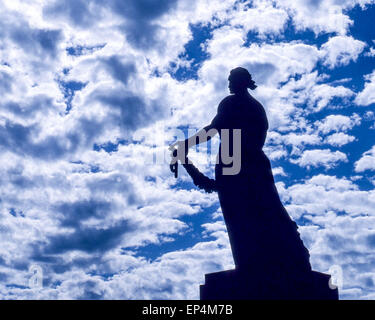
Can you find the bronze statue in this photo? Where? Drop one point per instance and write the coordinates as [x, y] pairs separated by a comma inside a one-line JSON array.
[[263, 237]]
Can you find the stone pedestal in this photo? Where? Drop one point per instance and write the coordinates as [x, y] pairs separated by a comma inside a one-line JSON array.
[[250, 285]]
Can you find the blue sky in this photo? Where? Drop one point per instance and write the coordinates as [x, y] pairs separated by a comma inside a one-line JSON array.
[[93, 91]]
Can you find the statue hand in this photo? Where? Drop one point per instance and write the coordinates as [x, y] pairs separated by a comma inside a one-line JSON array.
[[181, 151]]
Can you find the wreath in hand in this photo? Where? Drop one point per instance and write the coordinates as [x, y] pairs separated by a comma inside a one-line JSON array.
[[199, 179]]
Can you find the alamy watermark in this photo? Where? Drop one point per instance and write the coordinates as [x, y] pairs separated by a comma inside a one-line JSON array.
[[36, 276], [158, 151], [337, 277]]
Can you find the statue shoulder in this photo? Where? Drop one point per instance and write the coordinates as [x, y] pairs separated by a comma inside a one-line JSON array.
[[226, 103]]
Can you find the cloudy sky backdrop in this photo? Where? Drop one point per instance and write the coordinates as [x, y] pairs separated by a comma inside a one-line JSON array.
[[92, 91]]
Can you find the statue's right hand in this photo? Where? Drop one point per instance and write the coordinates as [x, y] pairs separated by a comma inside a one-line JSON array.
[[181, 151], [174, 145]]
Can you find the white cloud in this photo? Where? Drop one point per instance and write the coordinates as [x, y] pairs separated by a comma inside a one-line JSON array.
[[322, 95], [366, 162], [275, 152], [301, 139], [279, 171], [337, 123], [340, 50], [339, 139], [320, 157], [370, 53], [328, 15], [367, 95], [262, 17], [340, 220], [369, 116], [309, 89], [322, 194]]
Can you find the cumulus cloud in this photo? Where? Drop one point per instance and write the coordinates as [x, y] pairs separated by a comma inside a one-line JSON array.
[[367, 96], [262, 17], [366, 162], [337, 123], [370, 52], [320, 157], [339, 139], [338, 219], [329, 16], [340, 50]]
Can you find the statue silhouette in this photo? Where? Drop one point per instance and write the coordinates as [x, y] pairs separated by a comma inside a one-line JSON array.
[[263, 238]]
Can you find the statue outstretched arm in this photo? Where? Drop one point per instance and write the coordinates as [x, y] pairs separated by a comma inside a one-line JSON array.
[[199, 179], [201, 136]]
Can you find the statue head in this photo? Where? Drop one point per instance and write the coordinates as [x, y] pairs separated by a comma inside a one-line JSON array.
[[240, 80]]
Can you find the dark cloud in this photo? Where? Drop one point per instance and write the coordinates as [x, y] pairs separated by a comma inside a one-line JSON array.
[[315, 4], [54, 264], [31, 107], [79, 12], [141, 9], [119, 70], [115, 183], [134, 112], [36, 42], [336, 241], [74, 213], [139, 25], [371, 240], [2, 260], [91, 291], [39, 42], [17, 179], [5, 82], [140, 17], [89, 239], [85, 238], [17, 137], [3, 277], [89, 129], [52, 147], [131, 112], [14, 136], [142, 36]]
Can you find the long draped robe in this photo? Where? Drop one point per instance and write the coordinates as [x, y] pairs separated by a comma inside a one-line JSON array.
[[261, 233]]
